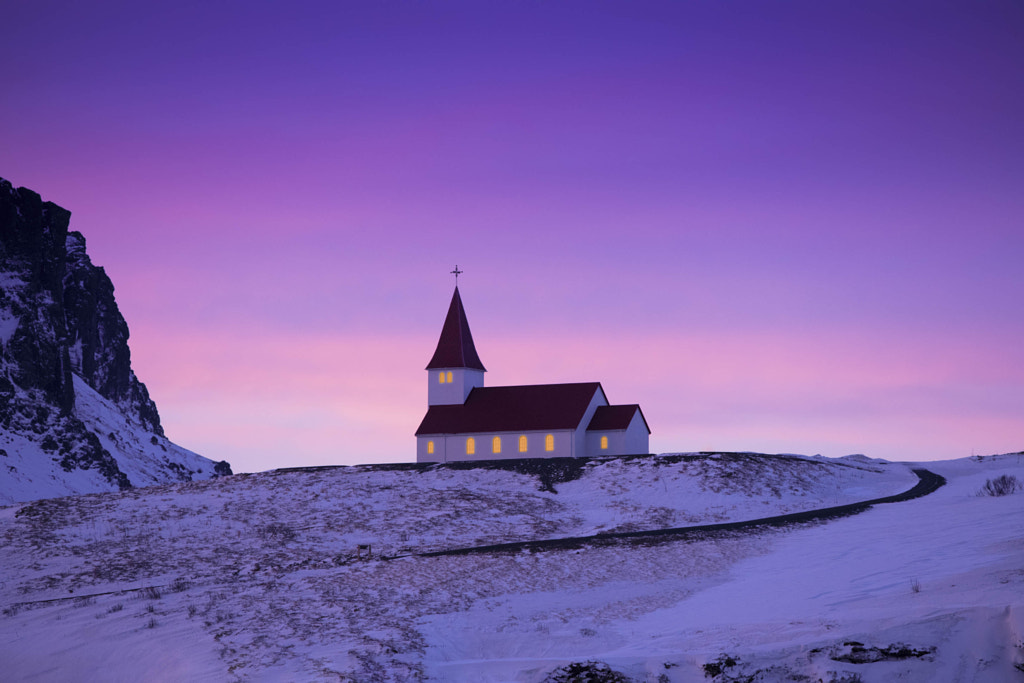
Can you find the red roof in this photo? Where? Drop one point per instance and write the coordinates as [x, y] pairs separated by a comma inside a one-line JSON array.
[[455, 347], [528, 408], [612, 418]]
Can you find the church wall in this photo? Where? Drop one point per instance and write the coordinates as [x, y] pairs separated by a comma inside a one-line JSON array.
[[454, 392], [580, 435], [637, 438], [438, 455], [615, 442], [452, 447], [634, 440]]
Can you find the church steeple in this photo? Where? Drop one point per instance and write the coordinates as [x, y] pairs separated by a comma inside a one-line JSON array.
[[455, 347], [455, 368]]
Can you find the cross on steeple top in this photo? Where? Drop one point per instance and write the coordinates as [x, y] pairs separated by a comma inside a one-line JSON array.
[[457, 273]]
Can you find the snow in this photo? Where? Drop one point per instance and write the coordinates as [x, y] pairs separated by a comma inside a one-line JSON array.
[[143, 457], [27, 472], [11, 284], [8, 325], [254, 577]]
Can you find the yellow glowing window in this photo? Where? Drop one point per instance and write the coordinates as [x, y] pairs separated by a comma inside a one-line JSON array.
[[522, 443], [470, 446], [449, 377], [549, 442], [496, 444], [430, 447], [440, 377], [604, 443]]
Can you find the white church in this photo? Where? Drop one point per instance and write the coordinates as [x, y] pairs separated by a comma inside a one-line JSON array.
[[467, 421]]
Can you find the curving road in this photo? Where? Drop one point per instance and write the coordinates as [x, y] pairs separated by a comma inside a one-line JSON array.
[[928, 482]]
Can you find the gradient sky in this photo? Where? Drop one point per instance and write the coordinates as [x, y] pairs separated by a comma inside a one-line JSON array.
[[778, 226]]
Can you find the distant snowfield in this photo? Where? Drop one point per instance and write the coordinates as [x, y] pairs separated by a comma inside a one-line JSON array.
[[255, 577]]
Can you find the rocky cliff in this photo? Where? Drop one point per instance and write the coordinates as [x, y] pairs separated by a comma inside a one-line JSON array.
[[72, 411], [98, 337]]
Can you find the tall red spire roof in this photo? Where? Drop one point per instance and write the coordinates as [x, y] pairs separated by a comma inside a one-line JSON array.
[[455, 347]]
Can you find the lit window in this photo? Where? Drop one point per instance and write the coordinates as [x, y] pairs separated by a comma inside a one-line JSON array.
[[522, 443], [470, 446], [604, 443], [496, 444], [430, 447], [440, 377], [449, 377], [549, 442]]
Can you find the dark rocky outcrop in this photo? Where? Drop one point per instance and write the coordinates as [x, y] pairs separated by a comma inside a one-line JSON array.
[[58, 319], [32, 254], [98, 337]]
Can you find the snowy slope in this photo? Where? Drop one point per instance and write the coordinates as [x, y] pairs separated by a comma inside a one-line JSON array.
[[256, 577], [146, 458], [789, 605], [29, 472]]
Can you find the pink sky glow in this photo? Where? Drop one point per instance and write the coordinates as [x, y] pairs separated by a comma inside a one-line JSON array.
[[781, 227]]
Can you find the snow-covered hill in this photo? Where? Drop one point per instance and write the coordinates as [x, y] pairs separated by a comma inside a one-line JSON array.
[[260, 577]]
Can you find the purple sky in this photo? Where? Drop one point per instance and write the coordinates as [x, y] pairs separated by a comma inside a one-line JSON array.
[[781, 227]]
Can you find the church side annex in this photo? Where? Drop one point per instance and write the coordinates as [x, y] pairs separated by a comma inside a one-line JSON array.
[[467, 421]]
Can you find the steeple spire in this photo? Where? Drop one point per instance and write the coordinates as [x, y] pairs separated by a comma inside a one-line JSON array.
[[455, 348]]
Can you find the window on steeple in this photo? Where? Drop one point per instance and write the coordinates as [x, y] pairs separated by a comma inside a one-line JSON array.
[[496, 444], [522, 443], [470, 446]]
